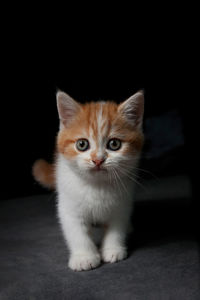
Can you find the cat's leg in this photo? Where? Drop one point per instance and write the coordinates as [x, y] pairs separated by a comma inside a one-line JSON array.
[[114, 243], [83, 252]]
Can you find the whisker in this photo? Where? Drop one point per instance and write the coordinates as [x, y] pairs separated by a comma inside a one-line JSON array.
[[116, 181], [125, 173], [120, 180], [146, 171], [127, 164], [130, 172], [117, 166]]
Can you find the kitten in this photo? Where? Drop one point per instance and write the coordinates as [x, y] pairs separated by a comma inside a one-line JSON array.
[[98, 147]]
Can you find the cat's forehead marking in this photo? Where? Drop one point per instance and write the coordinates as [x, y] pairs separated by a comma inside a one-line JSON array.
[[99, 122]]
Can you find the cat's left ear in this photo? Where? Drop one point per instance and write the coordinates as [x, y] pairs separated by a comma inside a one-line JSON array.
[[133, 109]]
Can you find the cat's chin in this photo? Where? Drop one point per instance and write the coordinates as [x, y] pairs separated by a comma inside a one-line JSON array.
[[98, 170], [96, 174]]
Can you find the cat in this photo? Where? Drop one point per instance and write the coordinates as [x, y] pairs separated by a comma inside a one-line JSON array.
[[98, 148]]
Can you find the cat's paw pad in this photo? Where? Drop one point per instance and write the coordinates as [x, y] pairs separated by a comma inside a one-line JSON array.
[[84, 261], [114, 254]]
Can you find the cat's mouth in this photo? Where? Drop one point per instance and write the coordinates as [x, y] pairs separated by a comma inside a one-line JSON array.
[[98, 169]]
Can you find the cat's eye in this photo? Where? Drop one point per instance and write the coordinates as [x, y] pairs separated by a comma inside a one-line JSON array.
[[82, 145], [114, 144]]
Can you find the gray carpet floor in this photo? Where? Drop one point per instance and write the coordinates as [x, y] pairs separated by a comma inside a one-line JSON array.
[[163, 261]]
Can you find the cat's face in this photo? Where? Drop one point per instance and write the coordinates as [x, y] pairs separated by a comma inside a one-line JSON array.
[[102, 138]]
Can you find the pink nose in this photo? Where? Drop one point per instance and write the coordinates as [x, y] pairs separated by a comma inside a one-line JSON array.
[[98, 162]]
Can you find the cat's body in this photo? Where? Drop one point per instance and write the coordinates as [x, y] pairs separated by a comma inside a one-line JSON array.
[[98, 147]]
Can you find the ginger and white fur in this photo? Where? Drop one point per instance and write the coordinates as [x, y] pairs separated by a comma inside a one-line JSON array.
[[89, 196]]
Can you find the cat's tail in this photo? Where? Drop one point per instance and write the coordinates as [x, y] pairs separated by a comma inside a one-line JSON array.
[[44, 173]]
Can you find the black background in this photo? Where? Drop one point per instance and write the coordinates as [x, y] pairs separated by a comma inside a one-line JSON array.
[[30, 115], [34, 68], [30, 120]]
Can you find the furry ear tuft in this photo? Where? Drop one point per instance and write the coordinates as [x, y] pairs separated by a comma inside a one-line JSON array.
[[67, 107], [133, 109]]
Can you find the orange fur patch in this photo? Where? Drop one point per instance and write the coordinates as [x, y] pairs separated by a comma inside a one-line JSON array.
[[98, 118], [44, 173]]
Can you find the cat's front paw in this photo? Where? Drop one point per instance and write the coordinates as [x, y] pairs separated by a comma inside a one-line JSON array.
[[114, 254], [84, 261]]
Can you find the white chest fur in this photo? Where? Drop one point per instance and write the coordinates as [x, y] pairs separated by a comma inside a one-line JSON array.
[[91, 201]]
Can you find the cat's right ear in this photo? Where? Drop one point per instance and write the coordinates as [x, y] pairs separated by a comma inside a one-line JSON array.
[[67, 108]]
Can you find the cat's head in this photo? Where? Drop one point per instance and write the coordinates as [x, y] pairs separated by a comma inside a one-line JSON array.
[[99, 139]]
